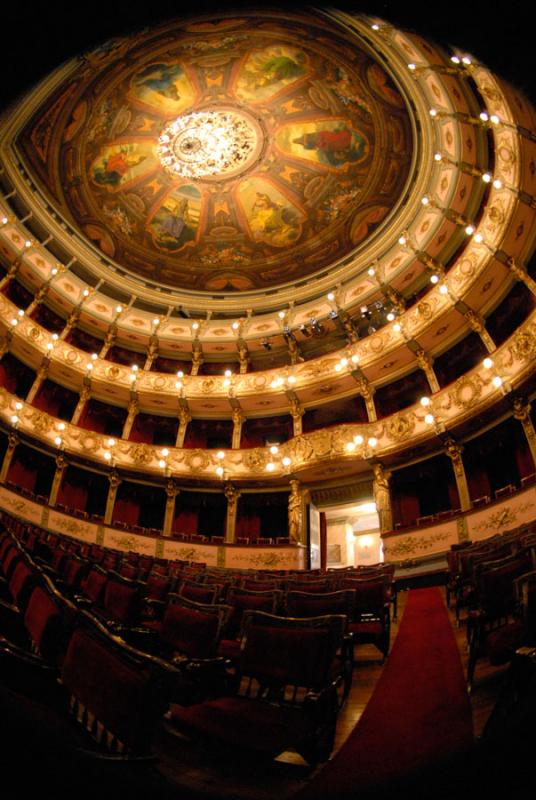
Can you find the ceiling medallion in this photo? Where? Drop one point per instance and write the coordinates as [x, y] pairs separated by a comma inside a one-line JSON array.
[[209, 144]]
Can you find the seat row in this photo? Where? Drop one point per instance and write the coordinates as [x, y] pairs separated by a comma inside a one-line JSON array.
[[284, 686]]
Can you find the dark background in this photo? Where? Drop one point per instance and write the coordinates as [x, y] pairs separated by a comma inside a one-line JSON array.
[[38, 36]]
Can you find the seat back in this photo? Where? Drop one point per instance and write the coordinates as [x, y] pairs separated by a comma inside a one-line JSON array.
[[121, 601], [94, 584], [199, 592], [117, 692], [301, 653], [49, 619], [192, 629], [307, 604], [242, 600]]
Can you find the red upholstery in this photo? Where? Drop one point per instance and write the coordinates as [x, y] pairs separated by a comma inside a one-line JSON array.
[[113, 690], [121, 601], [20, 582], [296, 656], [200, 593], [189, 631], [42, 621], [238, 721], [93, 586]]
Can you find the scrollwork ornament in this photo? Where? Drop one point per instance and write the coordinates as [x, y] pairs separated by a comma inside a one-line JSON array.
[[399, 427], [141, 455], [42, 423], [524, 346], [467, 391]]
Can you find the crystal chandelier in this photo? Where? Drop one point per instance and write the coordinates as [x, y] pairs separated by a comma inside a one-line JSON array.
[[208, 144]]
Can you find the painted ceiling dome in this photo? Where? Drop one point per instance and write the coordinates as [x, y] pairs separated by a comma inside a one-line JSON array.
[[225, 155]]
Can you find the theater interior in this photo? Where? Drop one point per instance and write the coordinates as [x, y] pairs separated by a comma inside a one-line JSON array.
[[267, 400]]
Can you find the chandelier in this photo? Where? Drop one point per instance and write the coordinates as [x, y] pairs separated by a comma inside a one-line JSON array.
[[209, 144]]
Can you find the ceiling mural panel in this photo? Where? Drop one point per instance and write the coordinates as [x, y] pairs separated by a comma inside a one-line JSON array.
[[240, 155]]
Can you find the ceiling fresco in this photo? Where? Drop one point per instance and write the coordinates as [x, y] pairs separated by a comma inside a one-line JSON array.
[[241, 154]]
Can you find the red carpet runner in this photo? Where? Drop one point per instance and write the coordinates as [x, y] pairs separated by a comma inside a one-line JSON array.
[[419, 712]]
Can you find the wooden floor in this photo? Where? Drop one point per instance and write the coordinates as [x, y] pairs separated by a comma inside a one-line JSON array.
[[220, 774]]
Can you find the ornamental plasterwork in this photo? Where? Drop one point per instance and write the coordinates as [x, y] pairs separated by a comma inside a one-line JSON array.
[[472, 392], [478, 73], [503, 517], [414, 545]]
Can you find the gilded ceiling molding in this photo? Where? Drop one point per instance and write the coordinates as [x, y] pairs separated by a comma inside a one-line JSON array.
[[349, 445]]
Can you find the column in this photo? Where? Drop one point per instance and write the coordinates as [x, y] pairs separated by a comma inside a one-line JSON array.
[[454, 452], [82, 400], [152, 352], [522, 413], [296, 517], [13, 441], [38, 299], [520, 271], [71, 322], [5, 341], [42, 373], [238, 419], [476, 323], [297, 413], [243, 355], [367, 393], [61, 463], [133, 408], [382, 497], [426, 364], [115, 480], [109, 340], [232, 494], [171, 491], [184, 419], [10, 274], [197, 358]]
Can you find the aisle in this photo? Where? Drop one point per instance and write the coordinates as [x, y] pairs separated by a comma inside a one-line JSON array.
[[419, 713]]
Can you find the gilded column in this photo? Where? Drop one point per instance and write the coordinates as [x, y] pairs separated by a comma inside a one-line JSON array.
[[133, 408], [297, 413], [238, 419], [115, 480], [426, 364], [243, 355], [82, 400], [522, 413], [171, 491], [367, 393], [454, 452], [38, 299], [382, 497], [296, 517], [10, 274], [184, 419], [42, 373], [152, 352], [61, 463], [13, 441], [476, 323], [520, 271], [232, 494], [109, 340], [5, 341], [197, 358], [71, 322]]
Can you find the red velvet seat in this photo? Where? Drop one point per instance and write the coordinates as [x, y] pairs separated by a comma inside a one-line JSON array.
[[371, 622], [282, 694], [240, 601], [118, 693], [495, 628]]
